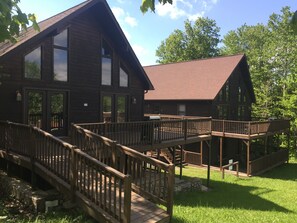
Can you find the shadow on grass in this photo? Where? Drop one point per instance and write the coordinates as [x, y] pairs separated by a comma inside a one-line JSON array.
[[229, 195], [286, 171]]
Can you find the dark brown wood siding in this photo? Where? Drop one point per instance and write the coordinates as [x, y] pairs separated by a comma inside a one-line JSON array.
[[84, 73], [193, 108]]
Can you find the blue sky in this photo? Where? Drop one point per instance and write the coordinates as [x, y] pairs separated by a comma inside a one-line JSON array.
[[146, 31]]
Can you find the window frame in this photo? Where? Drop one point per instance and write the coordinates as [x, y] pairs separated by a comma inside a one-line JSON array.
[[64, 48], [124, 69], [105, 43], [41, 64]]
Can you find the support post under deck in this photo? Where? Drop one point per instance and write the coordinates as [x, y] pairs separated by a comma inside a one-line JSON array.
[[221, 153]]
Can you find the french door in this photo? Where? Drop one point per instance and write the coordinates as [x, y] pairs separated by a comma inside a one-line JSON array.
[[47, 110], [114, 108]]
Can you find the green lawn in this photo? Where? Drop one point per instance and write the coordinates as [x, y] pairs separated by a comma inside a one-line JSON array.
[[271, 197]]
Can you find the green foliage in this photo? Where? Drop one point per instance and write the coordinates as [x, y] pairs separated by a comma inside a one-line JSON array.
[[199, 40], [150, 4], [272, 55], [294, 22], [12, 19]]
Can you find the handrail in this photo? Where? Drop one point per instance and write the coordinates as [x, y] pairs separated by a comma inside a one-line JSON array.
[[150, 177], [228, 165], [105, 188], [151, 132], [250, 127]]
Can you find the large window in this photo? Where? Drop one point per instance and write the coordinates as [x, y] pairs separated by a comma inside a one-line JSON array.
[[61, 56], [33, 64], [181, 109], [106, 63], [123, 78]]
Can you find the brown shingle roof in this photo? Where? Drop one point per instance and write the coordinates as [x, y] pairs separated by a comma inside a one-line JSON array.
[[43, 25], [192, 80]]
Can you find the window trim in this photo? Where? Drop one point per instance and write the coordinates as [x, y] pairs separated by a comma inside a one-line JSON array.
[[123, 68], [53, 55], [103, 41], [41, 63]]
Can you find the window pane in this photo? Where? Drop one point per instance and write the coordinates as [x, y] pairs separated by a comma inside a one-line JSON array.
[[121, 109], [60, 65], [61, 39], [123, 78], [57, 109], [106, 108], [106, 71], [106, 64], [181, 110], [33, 64], [35, 109]]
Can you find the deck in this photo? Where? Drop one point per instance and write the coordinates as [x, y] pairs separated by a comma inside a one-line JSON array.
[[248, 130], [112, 183]]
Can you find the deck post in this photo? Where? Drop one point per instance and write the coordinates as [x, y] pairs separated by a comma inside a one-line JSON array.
[[221, 153], [208, 163], [113, 154], [171, 186], [7, 146], [127, 199], [201, 153], [73, 173], [248, 144], [181, 162], [32, 150]]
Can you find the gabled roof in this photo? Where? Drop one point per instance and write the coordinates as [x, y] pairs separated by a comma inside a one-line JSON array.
[[195, 80], [50, 25]]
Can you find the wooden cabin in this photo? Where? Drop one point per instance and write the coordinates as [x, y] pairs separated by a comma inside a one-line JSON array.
[[219, 87], [79, 68]]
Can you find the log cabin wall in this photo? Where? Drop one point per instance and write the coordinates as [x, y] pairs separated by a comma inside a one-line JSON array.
[[83, 89]]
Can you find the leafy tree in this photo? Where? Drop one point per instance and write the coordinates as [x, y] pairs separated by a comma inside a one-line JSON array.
[[150, 4], [294, 22], [12, 19], [199, 40]]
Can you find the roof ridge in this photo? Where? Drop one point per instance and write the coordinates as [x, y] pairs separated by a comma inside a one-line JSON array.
[[195, 60]]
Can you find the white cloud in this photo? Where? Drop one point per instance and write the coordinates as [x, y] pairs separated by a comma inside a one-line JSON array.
[[192, 9], [127, 34], [194, 17], [131, 21], [172, 10], [144, 55], [118, 12], [123, 17]]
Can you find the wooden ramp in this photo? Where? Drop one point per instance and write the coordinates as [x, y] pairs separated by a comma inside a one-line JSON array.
[[102, 191]]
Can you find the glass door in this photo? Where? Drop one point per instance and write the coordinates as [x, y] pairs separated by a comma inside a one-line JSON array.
[[47, 110], [35, 112], [57, 119]]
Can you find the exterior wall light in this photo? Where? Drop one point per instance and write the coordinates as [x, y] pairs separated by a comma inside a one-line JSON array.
[[18, 96], [133, 100]]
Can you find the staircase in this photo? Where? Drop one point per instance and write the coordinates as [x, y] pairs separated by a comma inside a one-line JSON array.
[[168, 155]]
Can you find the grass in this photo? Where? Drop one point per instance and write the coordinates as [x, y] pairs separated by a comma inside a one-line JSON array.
[[270, 197]]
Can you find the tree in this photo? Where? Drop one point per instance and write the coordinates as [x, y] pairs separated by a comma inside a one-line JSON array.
[[199, 40], [294, 22], [12, 19], [150, 4]]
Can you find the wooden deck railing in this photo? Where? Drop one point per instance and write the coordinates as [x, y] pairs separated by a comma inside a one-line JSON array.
[[249, 127], [150, 177], [99, 187], [269, 161], [151, 132]]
